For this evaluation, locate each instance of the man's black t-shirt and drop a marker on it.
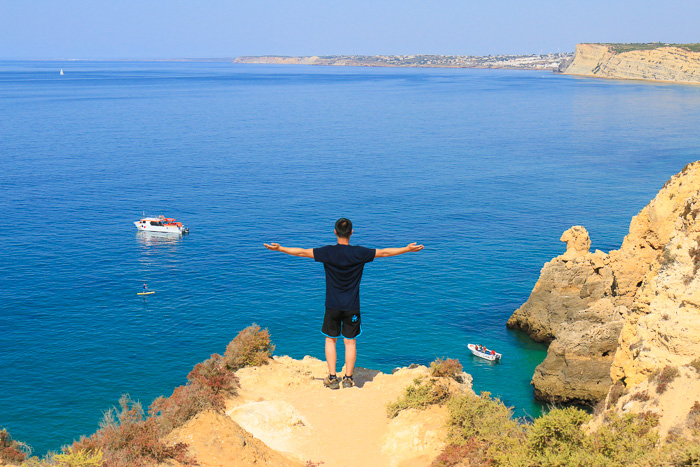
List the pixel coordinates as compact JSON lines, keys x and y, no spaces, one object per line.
{"x":344,"y":265}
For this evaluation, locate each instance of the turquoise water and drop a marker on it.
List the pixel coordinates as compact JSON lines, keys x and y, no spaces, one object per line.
{"x":486,"y":168}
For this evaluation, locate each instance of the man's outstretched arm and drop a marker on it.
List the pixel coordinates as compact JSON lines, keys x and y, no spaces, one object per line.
{"x":410,"y":248}
{"x":303,"y":252}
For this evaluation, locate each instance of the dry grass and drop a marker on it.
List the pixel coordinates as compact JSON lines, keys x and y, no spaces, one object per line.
{"x":695,"y":364}
{"x":693,"y":419}
{"x":641,"y":396}
{"x":446,"y":368}
{"x":616,"y":391}
{"x":12,"y":451}
{"x":665,"y":377}
{"x":251,"y":347}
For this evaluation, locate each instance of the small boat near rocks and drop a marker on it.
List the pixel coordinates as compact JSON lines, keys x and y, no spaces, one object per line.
{"x":483,"y":352}
{"x":161,"y":224}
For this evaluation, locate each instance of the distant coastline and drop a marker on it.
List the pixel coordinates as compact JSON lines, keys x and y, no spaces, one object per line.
{"x":551,"y":61}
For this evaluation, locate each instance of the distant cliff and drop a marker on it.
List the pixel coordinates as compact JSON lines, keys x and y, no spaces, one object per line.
{"x":657,"y":62}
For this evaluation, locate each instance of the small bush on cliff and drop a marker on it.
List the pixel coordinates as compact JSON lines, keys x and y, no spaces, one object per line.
{"x":641,"y":396}
{"x":251,"y":347}
{"x":421,"y":394}
{"x":667,"y":258}
{"x":624,"y":439}
{"x":693,"y":420}
{"x":616,"y":391}
{"x":12,"y":451}
{"x":559,"y":429}
{"x":482,"y":431}
{"x":127,"y":438}
{"x":446,"y":368}
{"x":209,"y":383}
{"x":695,"y":364}
{"x":665,"y":377}
{"x":78,"y":458}
{"x":455,"y":455}
{"x":484,"y":424}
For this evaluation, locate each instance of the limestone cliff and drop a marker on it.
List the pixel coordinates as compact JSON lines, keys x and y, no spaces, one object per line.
{"x":663,"y":326}
{"x":643,"y":295}
{"x":663,"y":63}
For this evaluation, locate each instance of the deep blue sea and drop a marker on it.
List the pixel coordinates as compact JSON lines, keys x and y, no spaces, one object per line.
{"x":486,"y":168}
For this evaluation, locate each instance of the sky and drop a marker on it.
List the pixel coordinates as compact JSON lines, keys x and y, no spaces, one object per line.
{"x":142,"y":29}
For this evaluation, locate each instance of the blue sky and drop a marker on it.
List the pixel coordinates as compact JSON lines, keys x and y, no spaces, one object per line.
{"x":43,"y":29}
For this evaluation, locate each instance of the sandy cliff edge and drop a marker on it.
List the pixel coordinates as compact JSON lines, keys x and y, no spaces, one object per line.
{"x":284,"y":416}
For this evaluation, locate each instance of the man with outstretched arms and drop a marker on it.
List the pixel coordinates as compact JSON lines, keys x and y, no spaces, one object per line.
{"x":344,"y":264}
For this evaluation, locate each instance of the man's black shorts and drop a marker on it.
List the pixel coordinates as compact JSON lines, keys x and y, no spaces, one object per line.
{"x":347,"y":323}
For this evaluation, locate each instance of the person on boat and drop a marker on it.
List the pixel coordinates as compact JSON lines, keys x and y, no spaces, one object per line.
{"x":344,"y":264}
{"x":493,"y":352}
{"x":145,"y":288}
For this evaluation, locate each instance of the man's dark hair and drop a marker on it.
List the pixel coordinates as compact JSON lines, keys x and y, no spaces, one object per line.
{"x":343,"y":227}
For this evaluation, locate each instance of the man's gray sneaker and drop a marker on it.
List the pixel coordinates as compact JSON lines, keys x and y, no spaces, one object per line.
{"x":331,"y":382}
{"x":348,"y":382}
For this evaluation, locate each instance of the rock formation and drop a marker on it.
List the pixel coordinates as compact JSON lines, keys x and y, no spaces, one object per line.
{"x":665,"y":63}
{"x":643,"y":295}
{"x":572,"y":307}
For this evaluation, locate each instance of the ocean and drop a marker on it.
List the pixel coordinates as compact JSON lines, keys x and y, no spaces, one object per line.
{"x":486,"y":168}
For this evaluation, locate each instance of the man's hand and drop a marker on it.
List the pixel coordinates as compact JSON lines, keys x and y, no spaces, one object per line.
{"x":386,"y":252}
{"x":272,"y":246}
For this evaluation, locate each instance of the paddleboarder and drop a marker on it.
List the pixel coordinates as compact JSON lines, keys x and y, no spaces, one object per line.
{"x":343,"y":264}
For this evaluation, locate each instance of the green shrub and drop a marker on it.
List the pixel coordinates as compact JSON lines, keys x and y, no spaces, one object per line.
{"x":446,"y":368}
{"x":680,"y":453}
{"x":484,"y":424}
{"x":419,"y":395}
{"x":482,"y":432}
{"x":11,"y":450}
{"x":78,"y":458}
{"x":251,"y":347}
{"x":558,"y":433}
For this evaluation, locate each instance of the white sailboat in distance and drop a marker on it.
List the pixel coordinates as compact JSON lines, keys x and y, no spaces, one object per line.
{"x":61,"y":72}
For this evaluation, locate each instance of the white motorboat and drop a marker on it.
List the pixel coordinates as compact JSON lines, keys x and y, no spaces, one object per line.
{"x":161,"y":224}
{"x":483,"y":352}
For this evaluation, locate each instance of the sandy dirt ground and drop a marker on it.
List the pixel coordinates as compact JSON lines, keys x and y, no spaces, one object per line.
{"x":286,"y":406}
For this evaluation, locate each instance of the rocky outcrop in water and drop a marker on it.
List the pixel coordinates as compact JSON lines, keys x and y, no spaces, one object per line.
{"x":624,"y":61}
{"x":572,"y":306}
{"x":643,"y":295}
